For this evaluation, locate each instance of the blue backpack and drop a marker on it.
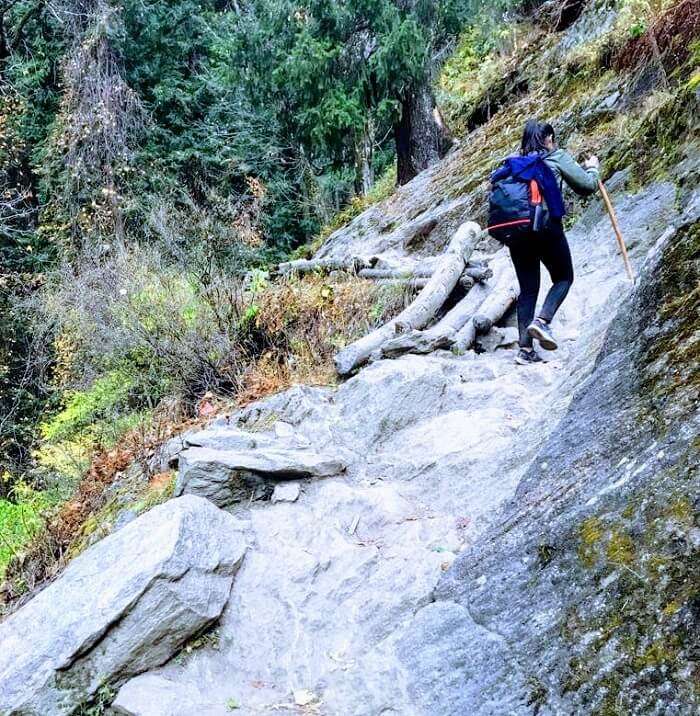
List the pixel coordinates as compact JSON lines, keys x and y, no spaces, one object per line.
{"x":517,"y":205}
{"x":515,"y":209}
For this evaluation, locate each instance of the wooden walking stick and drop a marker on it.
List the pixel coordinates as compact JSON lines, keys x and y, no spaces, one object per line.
{"x":616,"y":229}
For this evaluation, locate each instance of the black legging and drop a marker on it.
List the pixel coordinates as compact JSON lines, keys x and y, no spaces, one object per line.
{"x":552,"y":249}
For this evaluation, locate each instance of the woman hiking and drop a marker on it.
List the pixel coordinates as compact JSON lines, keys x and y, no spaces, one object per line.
{"x":544,"y":241}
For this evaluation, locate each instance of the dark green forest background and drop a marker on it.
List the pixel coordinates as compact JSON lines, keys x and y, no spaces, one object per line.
{"x":224,"y":133}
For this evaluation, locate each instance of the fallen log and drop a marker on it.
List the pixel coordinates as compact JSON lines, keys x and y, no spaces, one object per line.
{"x":409,"y":283}
{"x":353,"y":265}
{"x":479,"y":273}
{"x":383,"y":273}
{"x":442,"y":334}
{"x":426,"y":305}
{"x":490,"y":312}
{"x":465,"y":282}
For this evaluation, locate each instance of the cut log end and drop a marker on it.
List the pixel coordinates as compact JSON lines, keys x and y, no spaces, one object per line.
{"x":466,"y":282}
{"x":479,"y":274}
{"x":482,"y":324}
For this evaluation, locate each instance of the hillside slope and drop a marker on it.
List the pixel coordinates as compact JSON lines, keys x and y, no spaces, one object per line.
{"x":494,"y":539}
{"x":343,"y":579}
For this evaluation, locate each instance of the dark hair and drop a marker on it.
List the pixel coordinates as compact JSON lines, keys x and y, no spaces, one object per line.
{"x":534,"y":135}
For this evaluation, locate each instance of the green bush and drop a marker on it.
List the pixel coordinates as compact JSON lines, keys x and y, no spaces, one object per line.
{"x":20,"y":520}
{"x":135,"y":328}
{"x":84,"y":408}
{"x":91,"y":419}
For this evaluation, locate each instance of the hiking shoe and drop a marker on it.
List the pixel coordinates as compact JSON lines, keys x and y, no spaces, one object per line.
{"x":525,"y":357}
{"x":540,"y":330}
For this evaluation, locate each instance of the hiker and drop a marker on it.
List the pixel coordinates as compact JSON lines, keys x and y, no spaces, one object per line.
{"x":538,"y":235}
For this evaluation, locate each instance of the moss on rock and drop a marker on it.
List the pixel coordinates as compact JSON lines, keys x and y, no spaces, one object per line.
{"x":647,"y":631}
{"x":635,"y":636}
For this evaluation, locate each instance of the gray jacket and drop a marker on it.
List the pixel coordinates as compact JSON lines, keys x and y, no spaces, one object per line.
{"x":567,"y":169}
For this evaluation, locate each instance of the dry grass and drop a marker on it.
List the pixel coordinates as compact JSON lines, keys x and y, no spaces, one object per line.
{"x":301,"y":323}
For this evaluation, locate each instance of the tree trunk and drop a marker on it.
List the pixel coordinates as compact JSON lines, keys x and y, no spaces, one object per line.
{"x":364,"y":153}
{"x":4,"y":45}
{"x":421,"y":136}
{"x":426,"y":305}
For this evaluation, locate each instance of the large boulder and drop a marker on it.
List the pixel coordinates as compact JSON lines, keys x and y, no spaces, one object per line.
{"x":227,"y":476}
{"x":125,"y":605}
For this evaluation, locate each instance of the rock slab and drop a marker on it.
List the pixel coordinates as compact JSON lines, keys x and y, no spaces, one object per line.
{"x":125,"y":605}
{"x":576,"y":573}
{"x":286,"y":492}
{"x":228,"y":476}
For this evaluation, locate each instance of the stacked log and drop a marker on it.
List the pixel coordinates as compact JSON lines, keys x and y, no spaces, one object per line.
{"x":476,"y":272}
{"x":442,"y":334}
{"x":494,"y":306}
{"x":491,"y":291}
{"x":488,"y":291}
{"x":302,"y":266}
{"x":426,"y":305}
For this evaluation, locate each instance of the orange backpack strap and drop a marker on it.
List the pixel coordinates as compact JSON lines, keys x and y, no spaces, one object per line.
{"x":535,"y":195}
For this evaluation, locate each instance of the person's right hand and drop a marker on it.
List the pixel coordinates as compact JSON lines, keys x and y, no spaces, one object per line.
{"x":592,"y":162}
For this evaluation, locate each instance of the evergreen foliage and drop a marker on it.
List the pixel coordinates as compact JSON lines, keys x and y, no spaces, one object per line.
{"x":195,"y":139}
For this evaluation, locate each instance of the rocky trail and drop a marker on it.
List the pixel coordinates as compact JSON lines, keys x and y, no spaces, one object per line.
{"x":444,"y":532}
{"x":321,"y":615}
{"x":367,"y":549}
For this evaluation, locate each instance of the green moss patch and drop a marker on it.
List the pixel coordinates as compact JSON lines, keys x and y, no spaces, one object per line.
{"x":645,"y":629}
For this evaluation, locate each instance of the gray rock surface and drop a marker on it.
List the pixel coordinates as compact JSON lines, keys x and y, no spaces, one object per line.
{"x":286,"y":492}
{"x":342,"y":581}
{"x":124,"y":606}
{"x":219,"y":437}
{"x":151,"y":694}
{"x":446,"y":651}
{"x":228,"y":476}
{"x":585,"y":574}
{"x":416,"y":222}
